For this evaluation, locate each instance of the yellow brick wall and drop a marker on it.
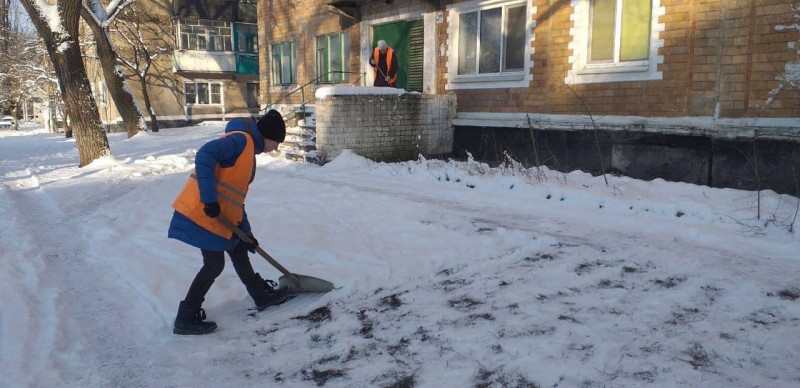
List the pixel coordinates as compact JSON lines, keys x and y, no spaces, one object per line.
{"x":715,"y":51}
{"x":720,"y":56}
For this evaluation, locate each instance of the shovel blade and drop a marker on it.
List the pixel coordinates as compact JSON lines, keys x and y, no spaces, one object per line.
{"x":304,"y":283}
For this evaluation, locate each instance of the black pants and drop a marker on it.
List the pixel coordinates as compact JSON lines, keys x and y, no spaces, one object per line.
{"x":213,"y":263}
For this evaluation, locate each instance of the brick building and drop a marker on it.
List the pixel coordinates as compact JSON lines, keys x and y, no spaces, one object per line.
{"x":676,"y":89}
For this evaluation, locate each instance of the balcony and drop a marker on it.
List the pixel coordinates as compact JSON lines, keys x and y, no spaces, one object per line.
{"x":192,"y":61}
{"x":205,"y":61}
{"x":247,"y":64}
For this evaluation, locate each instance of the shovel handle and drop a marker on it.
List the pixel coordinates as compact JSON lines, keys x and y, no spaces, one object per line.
{"x":379,"y":69}
{"x":242,"y":236}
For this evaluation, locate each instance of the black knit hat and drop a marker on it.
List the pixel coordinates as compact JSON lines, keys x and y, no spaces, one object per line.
{"x":272,"y":127}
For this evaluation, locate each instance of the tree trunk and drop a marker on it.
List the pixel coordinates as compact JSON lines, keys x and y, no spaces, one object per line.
{"x":15,"y":114}
{"x":81,"y":108}
{"x":153,"y":119}
{"x":65,"y":54}
{"x":128,"y":109}
{"x":5,"y":31}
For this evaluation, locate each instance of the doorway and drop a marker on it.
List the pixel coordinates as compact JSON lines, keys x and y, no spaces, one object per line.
{"x":406,"y":38}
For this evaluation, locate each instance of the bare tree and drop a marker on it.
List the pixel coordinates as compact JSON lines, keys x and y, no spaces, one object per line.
{"x":22,"y":73}
{"x":99,"y":18}
{"x":57,"y":25}
{"x":5,"y":24}
{"x":596,"y":130}
{"x":41,"y":81}
{"x":145,"y":35}
{"x":26,"y":74}
{"x":789,"y":78}
{"x":8,"y":100}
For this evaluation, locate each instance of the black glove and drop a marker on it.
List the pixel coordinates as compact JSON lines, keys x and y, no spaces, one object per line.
{"x":211,"y":209}
{"x":252,"y":245}
{"x":372,"y":61}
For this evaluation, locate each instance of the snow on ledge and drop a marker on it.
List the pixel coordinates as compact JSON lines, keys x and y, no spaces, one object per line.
{"x":327,"y":91}
{"x":519,"y":120}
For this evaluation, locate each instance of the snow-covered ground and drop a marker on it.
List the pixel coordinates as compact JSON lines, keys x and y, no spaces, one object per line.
{"x":449,"y":274}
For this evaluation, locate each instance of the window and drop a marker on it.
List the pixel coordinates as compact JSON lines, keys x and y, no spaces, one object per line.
{"x":252,"y":95}
{"x":247,"y":38}
{"x":101,"y":88}
{"x":626,"y":41}
{"x":491,"y":40}
{"x":332,"y":57}
{"x":203,"y":93}
{"x":283,"y":64}
{"x":492,"y":44}
{"x":615,"y":40}
{"x":99,"y":92}
{"x":205,"y":35}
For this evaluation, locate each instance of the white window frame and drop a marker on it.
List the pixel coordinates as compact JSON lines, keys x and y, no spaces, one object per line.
{"x":583,"y":72}
{"x":206,"y":35}
{"x":507,"y":79}
{"x":196,"y":94}
{"x":101,"y":93}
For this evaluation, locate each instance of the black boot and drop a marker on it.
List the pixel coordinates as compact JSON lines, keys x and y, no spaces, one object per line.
{"x":190,"y":320}
{"x":264,"y":295}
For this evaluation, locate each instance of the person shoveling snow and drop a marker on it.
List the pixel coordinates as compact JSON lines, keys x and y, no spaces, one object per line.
{"x":224,"y":169}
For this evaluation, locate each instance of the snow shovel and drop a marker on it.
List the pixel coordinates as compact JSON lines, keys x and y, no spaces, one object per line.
{"x":295,"y":282}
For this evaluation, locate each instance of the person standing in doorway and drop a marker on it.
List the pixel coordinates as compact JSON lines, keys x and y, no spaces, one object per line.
{"x":384,"y":62}
{"x":224,"y":169}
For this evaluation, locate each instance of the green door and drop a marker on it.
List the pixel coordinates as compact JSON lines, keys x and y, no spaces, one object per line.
{"x":415,"y":56}
{"x":405,"y":39}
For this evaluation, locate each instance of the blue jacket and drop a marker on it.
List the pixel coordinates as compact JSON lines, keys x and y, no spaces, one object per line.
{"x":223,"y":152}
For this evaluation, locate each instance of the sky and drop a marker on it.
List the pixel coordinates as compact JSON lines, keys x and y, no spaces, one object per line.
{"x":447,"y":274}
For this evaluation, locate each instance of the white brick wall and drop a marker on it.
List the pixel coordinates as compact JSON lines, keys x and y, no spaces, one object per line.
{"x":385,"y":127}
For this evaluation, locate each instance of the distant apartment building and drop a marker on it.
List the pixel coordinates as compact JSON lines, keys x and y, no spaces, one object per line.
{"x":207,"y":63}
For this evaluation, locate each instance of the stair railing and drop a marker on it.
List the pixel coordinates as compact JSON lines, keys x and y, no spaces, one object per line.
{"x":302,"y":88}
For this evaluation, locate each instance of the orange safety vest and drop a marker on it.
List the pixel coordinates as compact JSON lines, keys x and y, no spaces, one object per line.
{"x":232,"y":185}
{"x":376,"y":54}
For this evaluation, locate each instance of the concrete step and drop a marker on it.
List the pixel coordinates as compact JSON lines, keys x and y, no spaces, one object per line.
{"x":304,"y":147}
{"x":305,"y":157}
{"x":297,"y":139}
{"x":300,"y":131}
{"x":309,"y":122}
{"x":301,"y":138}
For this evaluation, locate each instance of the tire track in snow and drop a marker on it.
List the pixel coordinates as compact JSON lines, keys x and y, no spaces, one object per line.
{"x":89,"y":327}
{"x":23,"y":323}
